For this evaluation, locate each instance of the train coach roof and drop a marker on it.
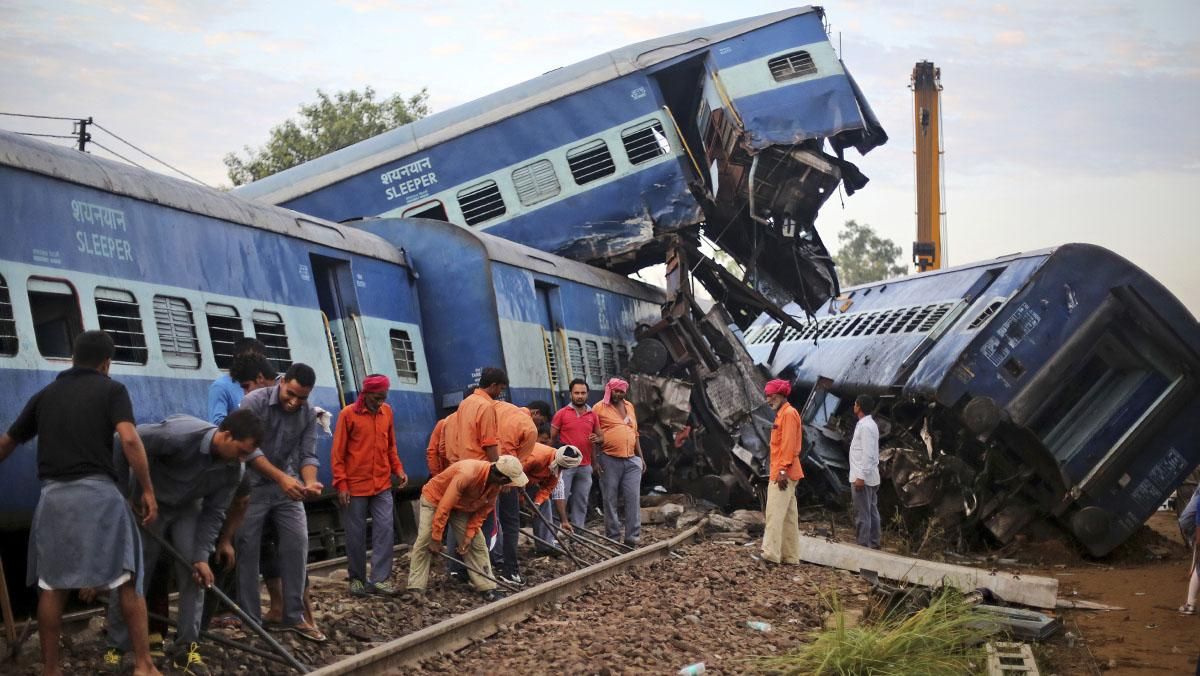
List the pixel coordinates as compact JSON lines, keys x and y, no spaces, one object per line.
{"x":70,"y":165}
{"x":459,"y":120}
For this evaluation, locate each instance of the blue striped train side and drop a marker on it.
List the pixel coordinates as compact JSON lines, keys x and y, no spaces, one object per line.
{"x":491,"y":302}
{"x":1062,"y":382}
{"x":176,"y":273}
{"x":623,"y":147}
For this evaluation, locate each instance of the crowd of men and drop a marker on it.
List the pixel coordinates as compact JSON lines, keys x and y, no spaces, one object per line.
{"x":197,"y":508}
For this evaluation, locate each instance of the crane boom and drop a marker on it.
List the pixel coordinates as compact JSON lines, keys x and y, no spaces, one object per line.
{"x":929,"y":251}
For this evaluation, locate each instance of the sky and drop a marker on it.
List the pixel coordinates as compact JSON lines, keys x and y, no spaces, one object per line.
{"x":1070,"y":121}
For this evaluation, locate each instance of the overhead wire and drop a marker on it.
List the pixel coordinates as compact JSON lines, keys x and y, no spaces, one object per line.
{"x":122,"y":140}
{"x":41,"y":117}
{"x":119,"y":155}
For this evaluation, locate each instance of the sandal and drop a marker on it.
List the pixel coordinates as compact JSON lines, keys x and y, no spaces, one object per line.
{"x":1187,"y":609}
{"x":308,"y":631}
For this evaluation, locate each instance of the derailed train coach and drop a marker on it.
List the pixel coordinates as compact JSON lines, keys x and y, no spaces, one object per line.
{"x":742,"y":126}
{"x":1058,"y":385}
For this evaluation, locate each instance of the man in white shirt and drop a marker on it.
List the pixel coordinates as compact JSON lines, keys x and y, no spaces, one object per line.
{"x":864,"y":473}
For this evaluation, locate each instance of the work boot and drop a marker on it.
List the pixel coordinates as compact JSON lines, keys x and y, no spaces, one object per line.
{"x":384,"y":588}
{"x":357,"y":588}
{"x":492,"y":595}
{"x":110,"y":662}
{"x":190,"y":662}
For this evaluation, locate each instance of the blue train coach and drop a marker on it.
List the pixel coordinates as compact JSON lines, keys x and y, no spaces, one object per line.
{"x":742,"y":126}
{"x":1058,"y":384}
{"x":176,"y":273}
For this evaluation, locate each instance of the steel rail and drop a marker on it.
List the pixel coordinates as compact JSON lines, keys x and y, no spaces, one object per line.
{"x":457,"y":632}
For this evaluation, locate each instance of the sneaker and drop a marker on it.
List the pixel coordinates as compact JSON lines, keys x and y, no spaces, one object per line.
{"x":458,"y":576}
{"x":357,"y":588}
{"x":190,"y":661}
{"x":156,"y":645}
{"x":492,"y":595}
{"x":111,"y":661}
{"x":512,"y":578}
{"x":384,"y":588}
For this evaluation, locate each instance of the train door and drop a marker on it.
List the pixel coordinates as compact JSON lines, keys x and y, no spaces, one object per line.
{"x":343,"y":324}
{"x":547,"y":302}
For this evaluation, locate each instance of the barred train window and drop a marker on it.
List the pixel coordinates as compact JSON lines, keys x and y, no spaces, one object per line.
{"x":610,"y":360}
{"x":645,"y":142}
{"x":590,"y":161}
{"x":177,"y":332}
{"x":54,"y":308}
{"x":8,"y":325}
{"x":481,"y":202}
{"x":595,"y":379}
{"x":791,"y":66}
{"x":535,"y":182}
{"x":403,"y":355}
{"x":575,"y":354}
{"x":224,"y":329}
{"x":270,"y":330}
{"x":118,"y":313}
{"x":622,"y":358}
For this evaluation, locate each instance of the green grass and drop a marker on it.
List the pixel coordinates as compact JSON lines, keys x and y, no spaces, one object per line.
{"x":935,"y":641}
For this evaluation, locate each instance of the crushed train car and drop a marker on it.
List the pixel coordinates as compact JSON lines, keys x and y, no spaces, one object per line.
{"x":1055,"y":385}
{"x":740,"y":126}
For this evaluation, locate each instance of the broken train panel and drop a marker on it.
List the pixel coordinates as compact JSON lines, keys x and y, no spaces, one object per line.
{"x":741,"y":125}
{"x":1055,"y":385}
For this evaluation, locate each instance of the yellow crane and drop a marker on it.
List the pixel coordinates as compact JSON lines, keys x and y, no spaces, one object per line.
{"x":929,"y":249}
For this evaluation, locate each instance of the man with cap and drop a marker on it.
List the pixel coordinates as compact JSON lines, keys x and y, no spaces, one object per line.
{"x":620,"y":463}
{"x":461,"y":496}
{"x":74,"y":418}
{"x":781,"y":537}
{"x":364,"y":459}
{"x":544,"y":466}
{"x":864,"y":473}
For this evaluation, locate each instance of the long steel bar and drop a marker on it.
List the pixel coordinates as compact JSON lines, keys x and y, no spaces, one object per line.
{"x":473,"y":569}
{"x":550,"y":525}
{"x":593,"y":533}
{"x":230,"y":643}
{"x":460,"y":631}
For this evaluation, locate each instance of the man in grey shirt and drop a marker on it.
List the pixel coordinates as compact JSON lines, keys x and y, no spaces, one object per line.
{"x":864,"y":473}
{"x":195,"y":468}
{"x":290,"y":443}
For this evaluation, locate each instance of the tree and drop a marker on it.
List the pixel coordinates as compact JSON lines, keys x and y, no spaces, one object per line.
{"x":866,"y":257}
{"x":329,"y":124}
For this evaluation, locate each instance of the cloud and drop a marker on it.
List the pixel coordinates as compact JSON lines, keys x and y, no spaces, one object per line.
{"x":1011,"y":38}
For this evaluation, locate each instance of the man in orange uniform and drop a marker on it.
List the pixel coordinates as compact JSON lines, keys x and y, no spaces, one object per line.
{"x":435,"y":452}
{"x":543,"y":467}
{"x":472,"y":434}
{"x":621,"y":464}
{"x":461,"y":496}
{"x":517,"y":433}
{"x":781,"y":539}
{"x":364,"y":460}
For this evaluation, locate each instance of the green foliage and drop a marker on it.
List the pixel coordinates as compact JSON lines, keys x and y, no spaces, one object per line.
{"x":865,"y":257}
{"x":940,"y":640}
{"x":329,"y":124}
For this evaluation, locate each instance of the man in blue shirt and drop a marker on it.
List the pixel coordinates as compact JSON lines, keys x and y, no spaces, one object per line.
{"x":250,"y":370}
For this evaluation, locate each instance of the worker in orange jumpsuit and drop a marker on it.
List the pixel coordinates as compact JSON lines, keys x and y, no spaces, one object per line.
{"x":543,"y":467}
{"x":781,"y":538}
{"x":461,"y":497}
{"x":364,"y":460}
{"x":473,"y":434}
{"x":517,"y":433}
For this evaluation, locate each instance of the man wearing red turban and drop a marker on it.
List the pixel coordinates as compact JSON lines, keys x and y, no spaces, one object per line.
{"x":781,"y":537}
{"x":364,"y":459}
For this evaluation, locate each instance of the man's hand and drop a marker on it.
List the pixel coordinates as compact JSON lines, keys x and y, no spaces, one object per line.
{"x":435,"y":546}
{"x":401,"y":480}
{"x":859,"y":484}
{"x":202,"y":574}
{"x":313,"y":490}
{"x":595,"y":438}
{"x":782,"y":482}
{"x":344,"y":498}
{"x":566,"y":527}
{"x":149,"y":507}
{"x":226,"y":555}
{"x":291,"y":487}
{"x":463,"y":547}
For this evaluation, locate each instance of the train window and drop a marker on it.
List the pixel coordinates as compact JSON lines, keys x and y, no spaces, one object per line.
{"x":271,"y":331}
{"x":481,"y":202}
{"x":56,"y":319}
{"x":595,"y":378}
{"x":791,"y":66}
{"x":119,"y":315}
{"x":535,"y":182}
{"x":986,"y":314}
{"x":403,"y":355}
{"x":177,"y":332}
{"x":610,"y":360}
{"x":645,"y":142}
{"x":575,"y":354}
{"x":8,"y":325}
{"x":224,"y":329}
{"x":590,"y":161}
{"x":433,"y":210}
{"x":622,"y":358}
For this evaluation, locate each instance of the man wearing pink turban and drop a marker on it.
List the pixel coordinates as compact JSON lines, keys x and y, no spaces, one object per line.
{"x":781,"y":537}
{"x":364,"y":460}
{"x":621,"y":464}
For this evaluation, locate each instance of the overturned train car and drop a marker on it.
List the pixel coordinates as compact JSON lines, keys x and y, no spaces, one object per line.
{"x":1057,"y":385}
